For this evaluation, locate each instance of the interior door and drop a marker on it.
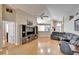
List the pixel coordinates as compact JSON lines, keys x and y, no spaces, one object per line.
{"x":11,"y":32}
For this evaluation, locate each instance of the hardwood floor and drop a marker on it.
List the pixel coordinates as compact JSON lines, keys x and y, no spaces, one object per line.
{"x":48,"y":46}
{"x":25,"y":49}
{"x":40,"y":46}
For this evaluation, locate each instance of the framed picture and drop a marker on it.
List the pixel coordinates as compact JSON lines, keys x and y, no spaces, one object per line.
{"x":76,"y":25}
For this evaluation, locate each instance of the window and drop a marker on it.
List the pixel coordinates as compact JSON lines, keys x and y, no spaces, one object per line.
{"x":43,"y":24}
{"x":43,"y":27}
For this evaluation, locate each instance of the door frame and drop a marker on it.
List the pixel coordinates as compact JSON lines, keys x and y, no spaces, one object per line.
{"x":4,"y":32}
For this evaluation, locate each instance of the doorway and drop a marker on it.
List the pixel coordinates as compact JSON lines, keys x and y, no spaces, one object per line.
{"x":58,"y":26}
{"x":9,"y":39}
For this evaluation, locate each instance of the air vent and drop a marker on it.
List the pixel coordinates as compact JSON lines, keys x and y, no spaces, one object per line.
{"x":9,"y":10}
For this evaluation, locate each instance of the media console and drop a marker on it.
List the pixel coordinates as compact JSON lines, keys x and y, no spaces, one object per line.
{"x":28,"y":33}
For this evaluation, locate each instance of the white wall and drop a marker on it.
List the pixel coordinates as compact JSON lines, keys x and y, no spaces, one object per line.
{"x":6,"y":15}
{"x":69,"y":25}
{"x":21,"y":18}
{"x":1,"y":41}
{"x":18,"y":17}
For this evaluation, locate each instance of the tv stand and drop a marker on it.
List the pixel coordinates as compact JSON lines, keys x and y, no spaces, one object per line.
{"x":28,"y":33}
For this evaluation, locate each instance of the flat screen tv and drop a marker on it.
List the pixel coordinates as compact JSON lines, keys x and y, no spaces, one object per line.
{"x":76,"y":25}
{"x":30,"y":33}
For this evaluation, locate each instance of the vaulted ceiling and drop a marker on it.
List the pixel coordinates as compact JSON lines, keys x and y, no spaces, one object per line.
{"x":32,"y":9}
{"x":56,"y":11}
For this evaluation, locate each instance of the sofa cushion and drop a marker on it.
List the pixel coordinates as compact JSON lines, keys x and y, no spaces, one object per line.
{"x":77,"y":43}
{"x":75,"y":36}
{"x":72,"y":41}
{"x":69,"y":36}
{"x":65,"y":48}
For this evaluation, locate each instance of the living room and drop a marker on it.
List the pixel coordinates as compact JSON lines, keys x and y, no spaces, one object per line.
{"x":41,"y":27}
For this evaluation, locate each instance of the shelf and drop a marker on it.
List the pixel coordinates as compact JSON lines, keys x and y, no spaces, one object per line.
{"x":29,"y":33}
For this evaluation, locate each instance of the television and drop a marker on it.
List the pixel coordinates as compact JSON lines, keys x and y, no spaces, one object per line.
{"x":30,"y":33}
{"x":30,"y":30}
{"x":76,"y":25}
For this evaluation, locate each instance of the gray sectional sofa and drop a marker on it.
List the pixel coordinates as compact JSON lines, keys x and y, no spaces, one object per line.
{"x":67,"y":37}
{"x":66,"y":49}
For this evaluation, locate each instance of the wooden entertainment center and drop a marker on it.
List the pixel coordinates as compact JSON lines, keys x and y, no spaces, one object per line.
{"x":28,"y":33}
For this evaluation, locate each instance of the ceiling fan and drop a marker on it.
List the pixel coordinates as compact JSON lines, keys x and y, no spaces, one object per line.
{"x":43,"y":15}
